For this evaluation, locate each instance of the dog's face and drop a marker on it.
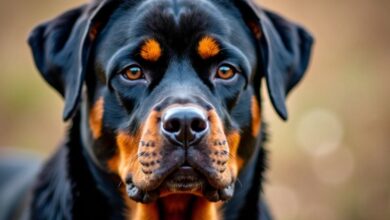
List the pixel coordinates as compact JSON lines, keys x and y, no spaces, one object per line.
{"x":168,"y":85}
{"x":171,"y":104}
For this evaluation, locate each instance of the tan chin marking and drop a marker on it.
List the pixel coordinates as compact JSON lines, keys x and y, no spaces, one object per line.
{"x":176,"y":207}
{"x":141,"y":211}
{"x":204,"y":209}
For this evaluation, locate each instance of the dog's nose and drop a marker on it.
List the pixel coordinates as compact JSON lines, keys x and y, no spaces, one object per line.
{"x":184,"y":125}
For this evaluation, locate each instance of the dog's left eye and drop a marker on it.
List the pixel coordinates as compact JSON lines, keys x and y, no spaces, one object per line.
{"x":133,"y":72}
{"x":225,"y":72}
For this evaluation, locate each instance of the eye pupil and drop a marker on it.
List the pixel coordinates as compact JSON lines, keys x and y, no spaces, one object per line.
{"x":225,"y":72}
{"x":225,"y":69}
{"x":135,"y":70}
{"x":133,"y":73}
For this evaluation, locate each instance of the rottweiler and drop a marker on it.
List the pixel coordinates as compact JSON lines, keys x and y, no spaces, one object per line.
{"x":164,"y":107}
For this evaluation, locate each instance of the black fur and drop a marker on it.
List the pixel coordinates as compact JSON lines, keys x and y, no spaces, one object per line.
{"x":89,"y":45}
{"x":70,"y":187}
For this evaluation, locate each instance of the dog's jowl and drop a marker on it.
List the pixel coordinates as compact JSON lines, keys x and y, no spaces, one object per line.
{"x":164,"y":104}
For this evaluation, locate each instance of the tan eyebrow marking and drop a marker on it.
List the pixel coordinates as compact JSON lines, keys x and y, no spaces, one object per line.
{"x":151,"y":50}
{"x":208,"y":47}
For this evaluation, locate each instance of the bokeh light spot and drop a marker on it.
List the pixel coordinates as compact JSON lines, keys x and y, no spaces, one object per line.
{"x":318,"y":212}
{"x":335,"y":168}
{"x":319,"y":132}
{"x":283,"y":201}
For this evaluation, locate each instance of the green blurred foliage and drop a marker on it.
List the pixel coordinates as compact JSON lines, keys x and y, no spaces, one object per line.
{"x":328,"y":162}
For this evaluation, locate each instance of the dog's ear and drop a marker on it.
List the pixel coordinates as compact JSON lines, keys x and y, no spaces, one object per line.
{"x":60,"y":48}
{"x":285,"y":50}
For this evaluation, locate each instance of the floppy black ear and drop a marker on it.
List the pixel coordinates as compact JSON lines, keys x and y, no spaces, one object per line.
{"x":60,"y":48}
{"x":285,"y":48}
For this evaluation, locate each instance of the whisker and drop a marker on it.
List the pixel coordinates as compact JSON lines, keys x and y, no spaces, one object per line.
{"x":238,"y":181}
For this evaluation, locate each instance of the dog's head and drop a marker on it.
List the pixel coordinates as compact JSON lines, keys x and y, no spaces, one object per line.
{"x":172,"y":103}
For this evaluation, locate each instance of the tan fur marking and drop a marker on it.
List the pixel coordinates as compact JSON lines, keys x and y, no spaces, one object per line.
{"x":145,"y":212}
{"x":113,"y":164}
{"x":224,"y":149}
{"x":208,"y":47}
{"x":127,"y":161}
{"x":234,"y":141}
{"x":131,"y":205}
{"x":255,"y":28}
{"x":203,"y":209}
{"x":216,"y":127}
{"x":96,"y":117}
{"x":94,"y":30}
{"x":240,"y":162}
{"x":175,"y":207}
{"x":151,"y":50}
{"x":256,"y":117}
{"x":151,"y":143}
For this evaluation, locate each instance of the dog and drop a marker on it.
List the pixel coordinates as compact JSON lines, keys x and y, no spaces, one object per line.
{"x":164,"y":107}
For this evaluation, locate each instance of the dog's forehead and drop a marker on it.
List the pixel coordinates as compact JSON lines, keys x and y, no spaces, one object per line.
{"x":185,"y":15}
{"x":177,"y":23}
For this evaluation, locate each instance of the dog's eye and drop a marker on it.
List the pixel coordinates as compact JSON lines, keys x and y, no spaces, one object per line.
{"x":133,"y":73}
{"x":225,"y":72}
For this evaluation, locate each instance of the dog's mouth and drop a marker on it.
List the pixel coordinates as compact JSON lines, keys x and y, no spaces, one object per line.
{"x":184,"y":180}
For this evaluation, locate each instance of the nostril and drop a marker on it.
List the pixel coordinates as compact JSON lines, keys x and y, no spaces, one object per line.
{"x":184,"y":125}
{"x":172,"y":125}
{"x":198,"y":125}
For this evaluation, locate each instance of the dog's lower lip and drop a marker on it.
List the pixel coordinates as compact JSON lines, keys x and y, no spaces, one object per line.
{"x":184,"y":174}
{"x":185,"y":179}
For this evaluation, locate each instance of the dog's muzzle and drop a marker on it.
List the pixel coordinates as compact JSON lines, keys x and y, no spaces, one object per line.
{"x":183,"y":150}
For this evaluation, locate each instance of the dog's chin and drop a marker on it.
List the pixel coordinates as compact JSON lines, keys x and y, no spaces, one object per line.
{"x":185,"y":180}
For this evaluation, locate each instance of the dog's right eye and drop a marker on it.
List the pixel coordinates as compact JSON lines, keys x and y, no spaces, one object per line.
{"x":133,"y":72}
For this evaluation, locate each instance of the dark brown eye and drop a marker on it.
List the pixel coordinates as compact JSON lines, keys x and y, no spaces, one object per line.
{"x":225,"y":72}
{"x":133,"y":73}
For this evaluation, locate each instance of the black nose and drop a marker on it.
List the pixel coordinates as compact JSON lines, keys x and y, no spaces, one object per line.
{"x":184,"y":125}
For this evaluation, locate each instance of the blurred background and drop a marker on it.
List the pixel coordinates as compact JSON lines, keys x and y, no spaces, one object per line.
{"x":327,"y":163}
